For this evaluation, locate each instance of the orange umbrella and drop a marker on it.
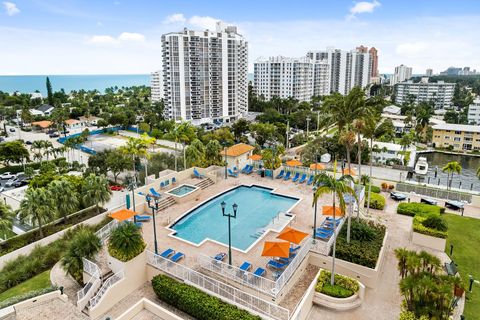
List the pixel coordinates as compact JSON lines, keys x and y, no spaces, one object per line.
{"x":122,"y":214}
{"x":276,"y":249}
{"x":317,"y":166}
{"x":292,"y":235}
{"x":328,"y":211}
{"x":351,"y":172}
{"x":293,"y":163}
{"x":255,"y":157}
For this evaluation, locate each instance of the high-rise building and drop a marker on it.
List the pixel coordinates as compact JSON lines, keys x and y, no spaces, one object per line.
{"x":374,"y":62}
{"x":429,"y":72}
{"x":205,"y":75}
{"x":401,"y":74}
{"x":156,"y":86}
{"x":299,"y":78}
{"x":347,"y":68}
{"x":440,"y":93}
{"x":474,"y":112}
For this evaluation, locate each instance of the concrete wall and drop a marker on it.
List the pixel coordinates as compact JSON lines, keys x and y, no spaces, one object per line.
{"x":145,"y":304}
{"x":428,"y":241}
{"x":134,"y":277}
{"x":10,"y":311}
{"x":305,"y":305}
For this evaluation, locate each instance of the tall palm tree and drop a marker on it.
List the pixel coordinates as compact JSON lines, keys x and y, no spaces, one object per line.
{"x":451,"y":168}
{"x":177,"y":134}
{"x":96,"y":190}
{"x":338,"y":188}
{"x":6,"y":216}
{"x":65,"y":197}
{"x":37,"y":147}
{"x":137,"y":147}
{"x":37,"y":207}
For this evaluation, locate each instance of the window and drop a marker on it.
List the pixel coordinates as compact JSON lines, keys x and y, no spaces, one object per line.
{"x":457,"y":139}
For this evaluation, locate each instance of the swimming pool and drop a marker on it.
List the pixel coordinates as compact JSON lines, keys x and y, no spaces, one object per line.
{"x":257,"y":206}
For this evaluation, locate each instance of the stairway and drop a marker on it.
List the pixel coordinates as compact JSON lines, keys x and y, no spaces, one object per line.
{"x":165,"y":203}
{"x":205,"y":183}
{"x":103,"y":279}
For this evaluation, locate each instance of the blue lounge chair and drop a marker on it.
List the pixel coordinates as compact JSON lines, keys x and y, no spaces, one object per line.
{"x":162,"y":185}
{"x":293,"y":250}
{"x":280,"y":175}
{"x":323,"y":236}
{"x":141,"y":193}
{"x":287,"y":176}
{"x":244,"y":168}
{"x":197,"y":174}
{"x":154,"y":193}
{"x":310,"y":180}
{"x":303,"y":178}
{"x":259,"y":272}
{"x":142,"y":218}
{"x":232,"y":174}
{"x":245,"y":266}
{"x":331,"y":219}
{"x":295,"y":178}
{"x":220,"y":256}
{"x":249,"y":170}
{"x":174,"y":180}
{"x":138,"y":224}
{"x":276,"y":264}
{"x":167,"y":253}
{"x":177,"y":257}
{"x":235,"y":169}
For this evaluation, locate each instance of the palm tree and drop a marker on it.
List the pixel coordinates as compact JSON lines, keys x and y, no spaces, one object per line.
{"x":401,"y":254}
{"x":195,"y":153}
{"x":451,"y":168}
{"x":137,"y":147}
{"x":338,"y":188}
{"x":96,"y":190}
{"x":126,"y":242}
{"x":37,"y":147}
{"x":65,"y":197}
{"x":37,"y":207}
{"x":6,"y":215}
{"x":177,"y":134}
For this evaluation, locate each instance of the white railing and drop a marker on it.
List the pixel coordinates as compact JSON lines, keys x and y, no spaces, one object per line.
{"x":105,"y":231}
{"x":85,"y":294}
{"x":323,"y":247}
{"x":234,"y":273}
{"x":91,"y":268}
{"x":292,"y":266}
{"x":106,"y":285}
{"x":218,"y":288}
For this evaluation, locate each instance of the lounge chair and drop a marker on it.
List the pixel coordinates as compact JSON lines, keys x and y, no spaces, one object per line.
{"x":280,"y":175}
{"x":245,"y":168}
{"x":177,"y":257}
{"x":249,"y":170}
{"x":235,"y":169}
{"x":259,"y":272}
{"x":294,"y":250}
{"x":167,"y":253}
{"x":232,"y":174}
{"x":310,"y":180}
{"x":142,"y":218}
{"x":198,"y":174}
{"x":331,"y":219}
{"x":323,"y":236}
{"x":220,"y":256}
{"x":138,"y":224}
{"x":287,"y":176}
{"x":154,"y":193}
{"x":174,"y":180}
{"x":276,"y":264}
{"x":295,"y":178}
{"x":303,"y":178}
{"x":162,"y":185}
{"x":245,"y":266}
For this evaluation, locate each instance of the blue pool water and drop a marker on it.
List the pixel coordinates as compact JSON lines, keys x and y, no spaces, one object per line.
{"x":256,"y":208}
{"x":182,"y":190}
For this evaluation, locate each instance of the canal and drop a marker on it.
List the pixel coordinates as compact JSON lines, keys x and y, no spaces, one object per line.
{"x":436,"y":161}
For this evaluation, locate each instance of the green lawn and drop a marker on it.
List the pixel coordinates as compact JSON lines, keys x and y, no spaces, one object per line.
{"x":38,"y":282}
{"x":464,"y":234}
{"x":7,"y":234}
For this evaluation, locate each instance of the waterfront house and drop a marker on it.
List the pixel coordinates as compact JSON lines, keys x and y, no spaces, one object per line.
{"x":456,"y":136}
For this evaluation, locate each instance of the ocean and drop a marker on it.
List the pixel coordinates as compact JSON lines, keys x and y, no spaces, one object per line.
{"x":28,"y":84}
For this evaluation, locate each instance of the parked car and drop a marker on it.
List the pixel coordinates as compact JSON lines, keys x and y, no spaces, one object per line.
{"x":20,"y":183}
{"x":398,"y":196}
{"x":12,"y":130}
{"x":28,"y":142}
{"x":51,"y":131}
{"x":7,"y":176}
{"x":54,"y":135}
{"x":11,"y":182}
{"x":116,"y":188}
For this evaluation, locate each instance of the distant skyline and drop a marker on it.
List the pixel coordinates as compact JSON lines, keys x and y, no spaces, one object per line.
{"x":120,"y":37}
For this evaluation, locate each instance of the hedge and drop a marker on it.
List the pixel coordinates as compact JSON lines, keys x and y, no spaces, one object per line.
{"x":26,"y":296}
{"x":344,"y":286}
{"x":27,"y":238}
{"x":420,"y":228}
{"x":377,"y":201}
{"x":365,"y":243}
{"x":414,"y":208}
{"x":375,"y":189}
{"x":20,"y":168}
{"x":195,"y":302}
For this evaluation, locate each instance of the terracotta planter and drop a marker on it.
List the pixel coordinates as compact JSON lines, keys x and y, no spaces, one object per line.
{"x":458,"y":292}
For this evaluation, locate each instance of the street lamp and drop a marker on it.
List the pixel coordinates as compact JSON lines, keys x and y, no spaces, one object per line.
{"x":308,"y":122}
{"x":225,"y":151}
{"x":154,"y":206}
{"x":229,"y":215}
{"x":314,"y":215}
{"x":132,"y":184}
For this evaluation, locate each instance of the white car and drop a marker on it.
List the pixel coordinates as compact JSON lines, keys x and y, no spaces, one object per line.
{"x":7,"y":175}
{"x":11,"y":182}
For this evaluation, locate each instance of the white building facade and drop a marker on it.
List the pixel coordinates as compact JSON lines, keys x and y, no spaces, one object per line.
{"x":440,"y":93}
{"x":204,"y":75}
{"x":401,"y":74}
{"x":290,"y":77}
{"x":347,"y":68}
{"x":156,"y":85}
{"x":474,"y":112}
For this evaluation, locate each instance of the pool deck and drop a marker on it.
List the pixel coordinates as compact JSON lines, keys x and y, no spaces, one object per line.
{"x":303,"y":220}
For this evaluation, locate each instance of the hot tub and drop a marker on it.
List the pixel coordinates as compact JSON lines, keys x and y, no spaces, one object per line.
{"x":183,"y":192}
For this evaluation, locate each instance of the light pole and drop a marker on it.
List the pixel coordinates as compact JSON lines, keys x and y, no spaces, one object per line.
{"x":225,"y":151}
{"x":308,"y":122}
{"x":154,"y":207}
{"x":229,"y":215}
{"x":314,"y":215}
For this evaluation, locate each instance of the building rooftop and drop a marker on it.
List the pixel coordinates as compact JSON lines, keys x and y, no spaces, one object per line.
{"x":44,"y":107}
{"x":457,"y":127}
{"x":42,"y":124}
{"x":71,"y":121}
{"x":237,"y":150}
{"x":392,"y":109}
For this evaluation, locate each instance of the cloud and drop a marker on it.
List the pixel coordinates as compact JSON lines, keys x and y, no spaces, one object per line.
{"x":131,"y":37}
{"x":102,"y":39}
{"x":363,"y":7}
{"x":411,"y":49}
{"x":203,"y":22}
{"x":175,"y":18}
{"x":11,"y":8}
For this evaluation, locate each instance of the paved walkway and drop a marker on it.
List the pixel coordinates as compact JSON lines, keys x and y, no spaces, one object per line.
{"x":60,"y":278}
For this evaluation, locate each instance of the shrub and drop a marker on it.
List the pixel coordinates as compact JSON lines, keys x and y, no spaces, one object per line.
{"x":344,"y":286}
{"x":377,"y":201}
{"x":435,"y":222}
{"x":375,"y":189}
{"x":195,"y":302}
{"x":126,"y":242}
{"x":419,"y":227}
{"x":364,"y":247}
{"x":384,"y":185}
{"x":413,"y":208}
{"x":408,"y":315}
{"x":26,"y":296}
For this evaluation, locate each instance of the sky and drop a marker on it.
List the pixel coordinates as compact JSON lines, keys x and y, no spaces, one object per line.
{"x":124,"y":37}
